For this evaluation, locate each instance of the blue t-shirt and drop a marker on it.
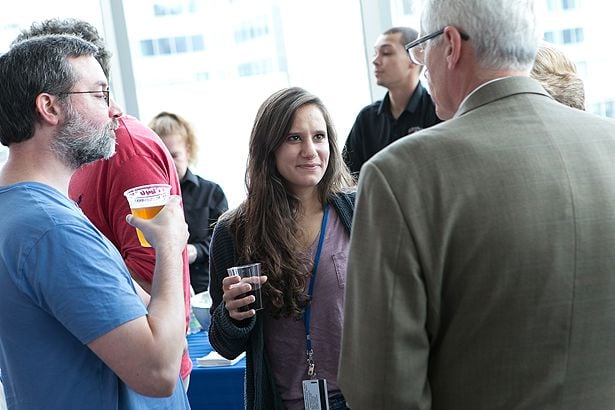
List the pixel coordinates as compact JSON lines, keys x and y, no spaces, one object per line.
{"x":62,"y":285}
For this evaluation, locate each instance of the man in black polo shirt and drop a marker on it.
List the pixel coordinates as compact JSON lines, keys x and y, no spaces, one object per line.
{"x":406,"y":107}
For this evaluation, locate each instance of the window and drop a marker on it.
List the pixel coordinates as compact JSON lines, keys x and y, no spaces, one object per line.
{"x":243,"y":48}
{"x":198,"y":43}
{"x":572,"y":35}
{"x":201,"y":76}
{"x":251,"y":30}
{"x":147,"y":47}
{"x":173,"y":7}
{"x":549,"y":36}
{"x":408,"y":7}
{"x":168,"y":46}
{"x":164,"y":46}
{"x":181,"y":44}
{"x":255,"y":68}
{"x":236,"y":57}
{"x":160,"y":10}
{"x":605,"y":108}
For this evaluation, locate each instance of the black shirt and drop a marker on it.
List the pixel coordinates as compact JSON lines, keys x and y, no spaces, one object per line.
{"x":375,"y":127}
{"x":204,"y":202}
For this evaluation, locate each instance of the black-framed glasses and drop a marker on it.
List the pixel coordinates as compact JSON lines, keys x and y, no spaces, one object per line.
{"x":105,"y":94}
{"x":416,"y":48}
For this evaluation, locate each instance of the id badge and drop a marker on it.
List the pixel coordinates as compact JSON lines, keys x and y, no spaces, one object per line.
{"x":315,"y":396}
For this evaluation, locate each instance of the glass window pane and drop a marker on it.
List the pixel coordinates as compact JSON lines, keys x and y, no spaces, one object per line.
{"x":198,"y":43}
{"x":164,"y":46}
{"x":572,"y":35}
{"x":181,"y":45}
{"x":147,"y":47}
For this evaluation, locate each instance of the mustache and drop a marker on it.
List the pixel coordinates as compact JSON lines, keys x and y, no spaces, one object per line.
{"x":114,"y":124}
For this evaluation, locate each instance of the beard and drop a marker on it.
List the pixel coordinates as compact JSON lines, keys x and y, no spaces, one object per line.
{"x":80,"y":142}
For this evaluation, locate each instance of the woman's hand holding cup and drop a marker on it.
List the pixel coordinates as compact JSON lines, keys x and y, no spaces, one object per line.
{"x":236,"y":296}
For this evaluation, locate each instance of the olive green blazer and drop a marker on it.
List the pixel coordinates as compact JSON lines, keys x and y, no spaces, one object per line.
{"x":481,"y":271}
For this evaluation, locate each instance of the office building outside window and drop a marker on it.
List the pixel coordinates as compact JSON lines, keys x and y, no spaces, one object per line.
{"x":215,"y":61}
{"x":248,"y":50}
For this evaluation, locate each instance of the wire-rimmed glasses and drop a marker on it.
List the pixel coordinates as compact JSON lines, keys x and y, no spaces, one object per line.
{"x":105,"y":94}
{"x":416,"y":48}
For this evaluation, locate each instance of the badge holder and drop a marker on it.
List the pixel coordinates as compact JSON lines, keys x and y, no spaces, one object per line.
{"x":315,"y":394}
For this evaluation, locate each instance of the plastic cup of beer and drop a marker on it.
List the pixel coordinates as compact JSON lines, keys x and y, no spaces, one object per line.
{"x":146,"y":201}
{"x":250,"y":274}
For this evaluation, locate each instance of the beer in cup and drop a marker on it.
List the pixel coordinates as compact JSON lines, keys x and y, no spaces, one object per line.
{"x":146,"y":201}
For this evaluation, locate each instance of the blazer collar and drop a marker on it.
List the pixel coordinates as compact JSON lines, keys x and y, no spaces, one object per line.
{"x":499,"y":89}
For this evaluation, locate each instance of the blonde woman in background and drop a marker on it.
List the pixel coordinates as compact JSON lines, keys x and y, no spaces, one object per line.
{"x":558,"y":75}
{"x":204,"y":201}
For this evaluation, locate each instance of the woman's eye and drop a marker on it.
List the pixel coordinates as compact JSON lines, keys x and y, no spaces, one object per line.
{"x":320,"y":137}
{"x":294,"y":138}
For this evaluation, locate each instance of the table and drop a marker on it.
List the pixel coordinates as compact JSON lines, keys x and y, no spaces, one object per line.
{"x":214,"y":388}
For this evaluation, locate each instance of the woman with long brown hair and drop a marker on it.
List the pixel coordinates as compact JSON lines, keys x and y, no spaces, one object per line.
{"x":296,"y":222}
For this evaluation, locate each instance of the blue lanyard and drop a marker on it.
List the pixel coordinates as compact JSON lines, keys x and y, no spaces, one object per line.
{"x":308,"y":309}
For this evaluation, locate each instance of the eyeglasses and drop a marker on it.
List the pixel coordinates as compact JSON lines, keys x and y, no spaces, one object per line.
{"x":416,"y":48}
{"x":105,"y":94}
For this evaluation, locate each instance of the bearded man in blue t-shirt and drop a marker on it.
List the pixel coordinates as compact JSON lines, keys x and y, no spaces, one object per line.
{"x":76,"y":332}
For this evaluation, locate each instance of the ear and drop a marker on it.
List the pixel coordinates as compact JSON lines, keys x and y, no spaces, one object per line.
{"x":454,"y":44}
{"x":47,"y":107}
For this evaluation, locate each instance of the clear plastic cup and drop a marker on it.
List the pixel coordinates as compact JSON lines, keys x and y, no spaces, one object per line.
{"x":146,"y":201}
{"x":250,"y":274}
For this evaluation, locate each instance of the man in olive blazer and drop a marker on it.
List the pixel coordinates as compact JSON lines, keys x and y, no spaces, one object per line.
{"x":481,"y":270}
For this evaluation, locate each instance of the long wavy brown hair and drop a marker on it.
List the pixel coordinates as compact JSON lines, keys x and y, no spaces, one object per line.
{"x":265,"y":225}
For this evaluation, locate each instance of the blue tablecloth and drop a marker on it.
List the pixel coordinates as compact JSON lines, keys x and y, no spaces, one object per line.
{"x":214,"y":388}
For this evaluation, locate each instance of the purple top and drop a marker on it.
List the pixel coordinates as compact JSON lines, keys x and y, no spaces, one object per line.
{"x":285,"y":338}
